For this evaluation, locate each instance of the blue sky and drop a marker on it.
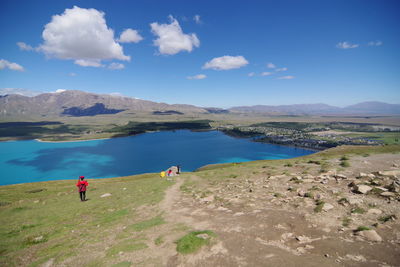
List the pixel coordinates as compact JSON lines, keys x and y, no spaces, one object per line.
{"x":206,"y":53}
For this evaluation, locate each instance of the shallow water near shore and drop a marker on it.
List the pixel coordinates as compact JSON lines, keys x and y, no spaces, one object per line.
{"x":33,"y":161}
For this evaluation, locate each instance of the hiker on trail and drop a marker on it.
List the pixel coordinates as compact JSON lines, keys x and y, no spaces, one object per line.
{"x":82,"y":184}
{"x":179,"y":169}
{"x":169,"y":172}
{"x":162,"y":174}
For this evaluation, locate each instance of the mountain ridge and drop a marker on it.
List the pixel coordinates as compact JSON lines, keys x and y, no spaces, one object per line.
{"x":57,"y":103}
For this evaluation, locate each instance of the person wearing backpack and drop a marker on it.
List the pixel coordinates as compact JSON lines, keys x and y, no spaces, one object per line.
{"x":82,"y":184}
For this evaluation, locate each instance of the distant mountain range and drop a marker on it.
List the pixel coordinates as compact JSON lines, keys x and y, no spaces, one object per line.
{"x":372,"y":107}
{"x":78,"y":103}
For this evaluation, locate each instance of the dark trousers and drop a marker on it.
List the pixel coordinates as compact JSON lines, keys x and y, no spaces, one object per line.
{"x":82,"y":195}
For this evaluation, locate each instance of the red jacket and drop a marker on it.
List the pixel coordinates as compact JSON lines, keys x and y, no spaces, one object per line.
{"x":82,"y":185}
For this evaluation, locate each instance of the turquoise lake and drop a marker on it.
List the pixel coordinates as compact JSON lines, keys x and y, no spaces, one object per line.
{"x":33,"y":161}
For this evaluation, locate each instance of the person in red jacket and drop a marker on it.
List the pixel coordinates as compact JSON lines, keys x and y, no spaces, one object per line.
{"x":82,"y":184}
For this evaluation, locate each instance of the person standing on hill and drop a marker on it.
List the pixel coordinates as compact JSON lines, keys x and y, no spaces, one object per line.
{"x":82,"y":184}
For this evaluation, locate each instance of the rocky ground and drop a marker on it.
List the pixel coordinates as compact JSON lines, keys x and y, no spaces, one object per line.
{"x":345,"y":217}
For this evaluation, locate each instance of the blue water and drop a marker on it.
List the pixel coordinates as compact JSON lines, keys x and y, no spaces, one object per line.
{"x":33,"y":161}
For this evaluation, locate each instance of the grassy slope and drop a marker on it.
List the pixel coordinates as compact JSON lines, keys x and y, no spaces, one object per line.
{"x":68,"y":225}
{"x":103,"y":227}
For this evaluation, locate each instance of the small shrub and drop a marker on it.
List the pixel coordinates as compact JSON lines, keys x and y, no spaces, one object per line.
{"x":362,"y":228}
{"x":346,"y":222}
{"x":365,"y":155}
{"x":344,"y":158}
{"x":358,"y":210}
{"x":288,"y":165}
{"x":387,"y":218}
{"x":159,"y":240}
{"x":320,"y":205}
{"x":315,"y":162}
{"x":277,"y":195}
{"x":191,"y":242}
{"x":345,"y":164}
{"x":309,"y":194}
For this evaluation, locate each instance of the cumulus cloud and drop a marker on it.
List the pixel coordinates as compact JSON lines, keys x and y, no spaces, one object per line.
{"x":282,"y":69}
{"x":266,"y":73}
{"x":25,"y":47}
{"x":82,"y":35}
{"x":171,"y":39}
{"x":59,"y":91}
{"x":376,"y":43}
{"x":116,"y":66}
{"x":286,"y":77}
{"x":197,"y":77}
{"x":197,"y":19}
{"x":72,"y":74}
{"x":5,"y":64}
{"x":226,"y":63}
{"x":130,"y":36}
{"x":346,"y":45}
{"x":251,"y":74}
{"x":271,"y":65}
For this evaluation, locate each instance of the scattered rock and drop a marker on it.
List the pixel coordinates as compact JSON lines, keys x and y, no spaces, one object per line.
{"x":203,"y":236}
{"x":208,"y":199}
{"x":392,"y":173}
{"x":370,"y":235}
{"x":327,"y":207}
{"x":106,"y":195}
{"x":301,"y":192}
{"x":38,"y":239}
{"x":353,"y":200}
{"x":36,"y":201}
{"x":359,"y":258}
{"x":388,"y":194}
{"x":124,"y":188}
{"x":222,"y":209}
{"x":374,"y":211}
{"x":394,"y":186}
{"x":362,"y":175}
{"x":362,"y":189}
{"x":238,"y":214}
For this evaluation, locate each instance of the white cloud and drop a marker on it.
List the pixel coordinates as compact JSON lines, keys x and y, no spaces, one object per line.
{"x":72,"y":74}
{"x":89,"y":63}
{"x":286,"y":77}
{"x":116,"y":66}
{"x":130,"y":36}
{"x":376,"y":43}
{"x":19,"y":91}
{"x":197,"y":19}
{"x":25,"y":47}
{"x":226,"y":63}
{"x":82,"y":35}
{"x":171,"y":40}
{"x":251,"y":74}
{"x":282,"y":69}
{"x":197,"y":77}
{"x":266,"y":73}
{"x":346,"y":45}
{"x":271,"y":65}
{"x":5,"y":64}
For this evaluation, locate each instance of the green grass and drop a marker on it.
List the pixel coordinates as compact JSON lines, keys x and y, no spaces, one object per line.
{"x":126,"y":246}
{"x":362,"y":228}
{"x":387,"y":218}
{"x":158,"y":241}
{"x":64,"y":221}
{"x":345,"y":163}
{"x":346,"y":221}
{"x":190,"y":243}
{"x":144,"y":225}
{"x":319,"y":205}
{"x":358,"y":210}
